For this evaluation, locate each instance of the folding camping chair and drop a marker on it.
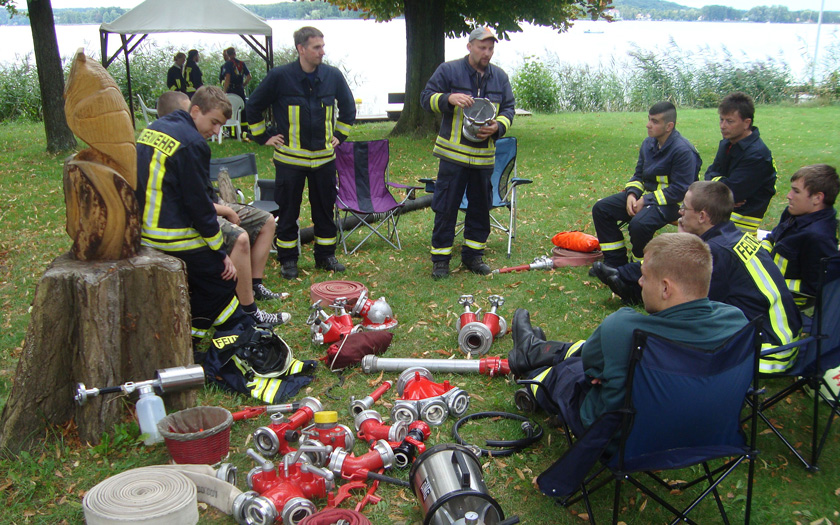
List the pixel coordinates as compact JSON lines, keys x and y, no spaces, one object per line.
{"x":244,"y":165}
{"x":683,"y":408}
{"x":149,"y":114}
{"x":818,"y":352}
{"x":504,"y":187}
{"x":363,"y":192}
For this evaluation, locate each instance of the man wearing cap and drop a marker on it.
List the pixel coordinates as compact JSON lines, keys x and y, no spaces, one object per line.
{"x":466,"y":165}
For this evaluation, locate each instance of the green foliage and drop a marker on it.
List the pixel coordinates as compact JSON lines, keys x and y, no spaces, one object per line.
{"x":124,"y":439}
{"x":20,"y":98}
{"x":535,"y":87}
{"x":662,"y":10}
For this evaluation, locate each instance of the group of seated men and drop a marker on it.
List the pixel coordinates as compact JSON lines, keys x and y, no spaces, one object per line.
{"x":701,"y":285}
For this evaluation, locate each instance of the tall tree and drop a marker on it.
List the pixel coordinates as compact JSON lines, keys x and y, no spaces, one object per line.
{"x":50,"y":74}
{"x":429,"y":22}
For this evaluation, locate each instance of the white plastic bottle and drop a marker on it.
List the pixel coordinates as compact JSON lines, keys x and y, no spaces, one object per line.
{"x":150,"y":410}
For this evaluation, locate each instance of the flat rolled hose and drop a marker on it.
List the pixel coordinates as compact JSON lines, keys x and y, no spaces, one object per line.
{"x":158,"y":495}
{"x":329,"y":291}
{"x":330,"y":516}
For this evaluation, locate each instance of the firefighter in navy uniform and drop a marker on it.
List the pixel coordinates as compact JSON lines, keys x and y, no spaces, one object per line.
{"x":175,"y":75}
{"x":303,"y":96}
{"x":192,"y":73}
{"x":743,"y":162}
{"x":464,"y":164}
{"x":178,"y":217}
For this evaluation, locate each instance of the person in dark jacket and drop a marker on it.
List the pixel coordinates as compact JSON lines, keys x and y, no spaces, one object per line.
{"x":586,"y":379}
{"x":235,"y":74}
{"x":807,"y":231}
{"x":466,"y":164}
{"x":175,"y":75}
{"x":178,"y":216}
{"x":743,"y":162}
{"x":192,"y":73}
{"x":303,"y":95}
{"x":668,"y":163}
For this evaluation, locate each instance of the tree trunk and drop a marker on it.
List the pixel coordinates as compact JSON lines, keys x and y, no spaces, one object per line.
{"x":50,"y":76}
{"x":424,"y":35}
{"x":101,"y":324}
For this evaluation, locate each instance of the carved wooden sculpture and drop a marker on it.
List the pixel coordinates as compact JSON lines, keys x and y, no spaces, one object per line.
{"x":102,"y":214}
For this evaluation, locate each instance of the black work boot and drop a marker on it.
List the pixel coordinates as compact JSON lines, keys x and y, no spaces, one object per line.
{"x":441,"y":270}
{"x":530,"y":352}
{"x":330,"y":264}
{"x":477,"y":265}
{"x":289,"y":269}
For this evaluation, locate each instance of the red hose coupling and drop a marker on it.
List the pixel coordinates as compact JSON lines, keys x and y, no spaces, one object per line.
{"x":328,"y":330}
{"x":276,"y":437}
{"x":358,"y":406}
{"x":413,"y":445}
{"x":351,"y":467}
{"x":328,"y":431}
{"x":492,"y":366}
{"x":370,"y":428}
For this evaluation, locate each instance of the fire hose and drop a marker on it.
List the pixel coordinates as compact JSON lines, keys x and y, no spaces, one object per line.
{"x":490,"y":366}
{"x":330,"y":516}
{"x":533,"y":433}
{"x":167,"y":493}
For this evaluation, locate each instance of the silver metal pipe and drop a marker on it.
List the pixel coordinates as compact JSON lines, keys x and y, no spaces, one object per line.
{"x":372,"y":363}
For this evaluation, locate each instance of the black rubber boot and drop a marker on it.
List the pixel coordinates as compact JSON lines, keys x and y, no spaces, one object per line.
{"x":530,"y":351}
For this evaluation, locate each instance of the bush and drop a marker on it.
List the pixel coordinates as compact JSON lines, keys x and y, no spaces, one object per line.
{"x":535,"y":87}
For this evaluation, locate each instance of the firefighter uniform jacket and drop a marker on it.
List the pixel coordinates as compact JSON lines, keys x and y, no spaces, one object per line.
{"x":193,"y":77}
{"x":664,"y":174}
{"x":747,"y":167}
{"x":304,"y":112}
{"x":175,"y":79}
{"x":745,"y":276}
{"x":458,"y":76}
{"x":173,"y":187}
{"x":798,"y":244}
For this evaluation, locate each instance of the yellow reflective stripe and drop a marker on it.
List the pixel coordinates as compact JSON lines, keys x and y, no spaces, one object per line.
{"x":295,"y":367}
{"x":463,"y":159}
{"x":294,"y":127}
{"x":273,"y":385}
{"x":441,"y":251}
{"x":745,"y":223}
{"x":488,"y":152}
{"x":611,"y":246}
{"x":662,"y":179}
{"x":434,"y":103}
{"x":574,"y":348}
{"x":539,"y":378}
{"x":227,"y":312}
{"x":197,"y":332}
{"x":216,"y":241}
{"x":457,"y":127}
{"x":176,"y":246}
{"x":287,"y":244}
{"x":659,"y":195}
{"x":794,"y":285}
{"x":324,"y":241}
{"x":257,"y":128}
{"x":172,"y":233}
{"x":257,"y":387}
{"x":343,"y":128}
{"x":776,"y":313}
{"x":715,"y":179}
{"x":154,"y":189}
{"x":782,"y":263}
{"x":475,"y":245}
{"x":767,"y":245}
{"x":635,"y":184}
{"x":633,"y":258}
{"x":328,"y":126}
{"x":504,"y":120}
{"x":776,"y":363}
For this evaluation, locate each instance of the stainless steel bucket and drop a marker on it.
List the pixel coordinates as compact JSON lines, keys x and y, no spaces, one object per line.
{"x":448,"y":482}
{"x":479,"y":114}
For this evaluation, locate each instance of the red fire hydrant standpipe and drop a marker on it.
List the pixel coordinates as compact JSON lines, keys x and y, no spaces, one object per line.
{"x":474,"y":337}
{"x":276,"y":437}
{"x":330,"y":329}
{"x":422,"y":398}
{"x":328,"y":431}
{"x":376,"y":315}
{"x":358,"y":406}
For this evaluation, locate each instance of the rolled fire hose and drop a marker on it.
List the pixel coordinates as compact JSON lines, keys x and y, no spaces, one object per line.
{"x":157,"y":495}
{"x":330,"y":516}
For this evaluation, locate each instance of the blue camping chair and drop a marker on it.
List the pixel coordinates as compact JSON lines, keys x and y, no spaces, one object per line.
{"x":818,"y":352}
{"x":243,"y":165}
{"x":364,"y":193}
{"x":504,"y":187}
{"x":683,"y":408}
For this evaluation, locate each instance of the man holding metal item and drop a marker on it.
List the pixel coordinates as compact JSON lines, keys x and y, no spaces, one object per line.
{"x":303,"y":95}
{"x":462,"y":90}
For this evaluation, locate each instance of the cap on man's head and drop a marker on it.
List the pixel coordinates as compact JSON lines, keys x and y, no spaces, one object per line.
{"x":482,"y":33}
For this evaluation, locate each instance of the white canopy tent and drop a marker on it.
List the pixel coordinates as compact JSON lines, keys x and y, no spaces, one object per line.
{"x":184,"y":16}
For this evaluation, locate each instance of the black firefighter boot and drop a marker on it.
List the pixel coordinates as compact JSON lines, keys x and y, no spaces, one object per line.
{"x":530,"y":349}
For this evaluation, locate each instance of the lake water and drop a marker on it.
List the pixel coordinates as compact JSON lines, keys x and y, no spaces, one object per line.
{"x":374,"y":53}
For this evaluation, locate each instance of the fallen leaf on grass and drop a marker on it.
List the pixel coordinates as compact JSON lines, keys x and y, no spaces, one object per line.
{"x":478,"y":397}
{"x":520,"y":474}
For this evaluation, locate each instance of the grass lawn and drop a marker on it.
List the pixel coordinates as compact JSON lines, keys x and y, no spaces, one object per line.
{"x":573,"y":160}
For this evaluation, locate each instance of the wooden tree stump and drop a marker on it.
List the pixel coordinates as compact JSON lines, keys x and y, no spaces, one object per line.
{"x":101,"y":324}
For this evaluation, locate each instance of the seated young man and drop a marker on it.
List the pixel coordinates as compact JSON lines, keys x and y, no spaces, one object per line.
{"x":743,"y":275}
{"x":743,"y":162}
{"x":248,"y":233}
{"x":586,"y":379}
{"x":807,"y":231}
{"x":178,"y":217}
{"x":668,"y":163}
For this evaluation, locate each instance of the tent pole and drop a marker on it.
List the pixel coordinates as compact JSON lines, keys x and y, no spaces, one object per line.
{"x":103,"y":45}
{"x":128,"y":79}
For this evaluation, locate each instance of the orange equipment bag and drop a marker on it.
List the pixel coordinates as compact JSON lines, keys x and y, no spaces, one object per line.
{"x":576,"y":241}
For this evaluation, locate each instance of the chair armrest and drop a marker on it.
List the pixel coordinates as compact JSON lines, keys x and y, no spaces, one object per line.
{"x":516,"y":181}
{"x":799,"y":342}
{"x":429,"y":184}
{"x":403,"y":186}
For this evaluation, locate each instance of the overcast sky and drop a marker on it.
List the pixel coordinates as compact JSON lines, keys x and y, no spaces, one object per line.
{"x":830,"y":5}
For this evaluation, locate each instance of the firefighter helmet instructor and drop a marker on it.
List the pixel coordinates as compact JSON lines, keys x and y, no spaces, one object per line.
{"x":303,"y":96}
{"x":466,"y":165}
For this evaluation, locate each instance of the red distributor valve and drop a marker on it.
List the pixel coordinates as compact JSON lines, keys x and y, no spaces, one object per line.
{"x":366,"y":403}
{"x":475,"y":338}
{"x":371,"y":428}
{"x":413,"y":445}
{"x":376,"y":315}
{"x":276,"y":437}
{"x":355,"y":468}
{"x":289,"y":489}
{"x":424,"y":399}
{"x":328,"y":431}
{"x":328,"y":330}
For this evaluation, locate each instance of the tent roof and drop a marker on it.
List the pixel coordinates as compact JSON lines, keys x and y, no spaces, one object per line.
{"x":188,"y":16}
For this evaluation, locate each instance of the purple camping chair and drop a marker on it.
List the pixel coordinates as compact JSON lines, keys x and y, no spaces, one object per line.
{"x":363,"y":192}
